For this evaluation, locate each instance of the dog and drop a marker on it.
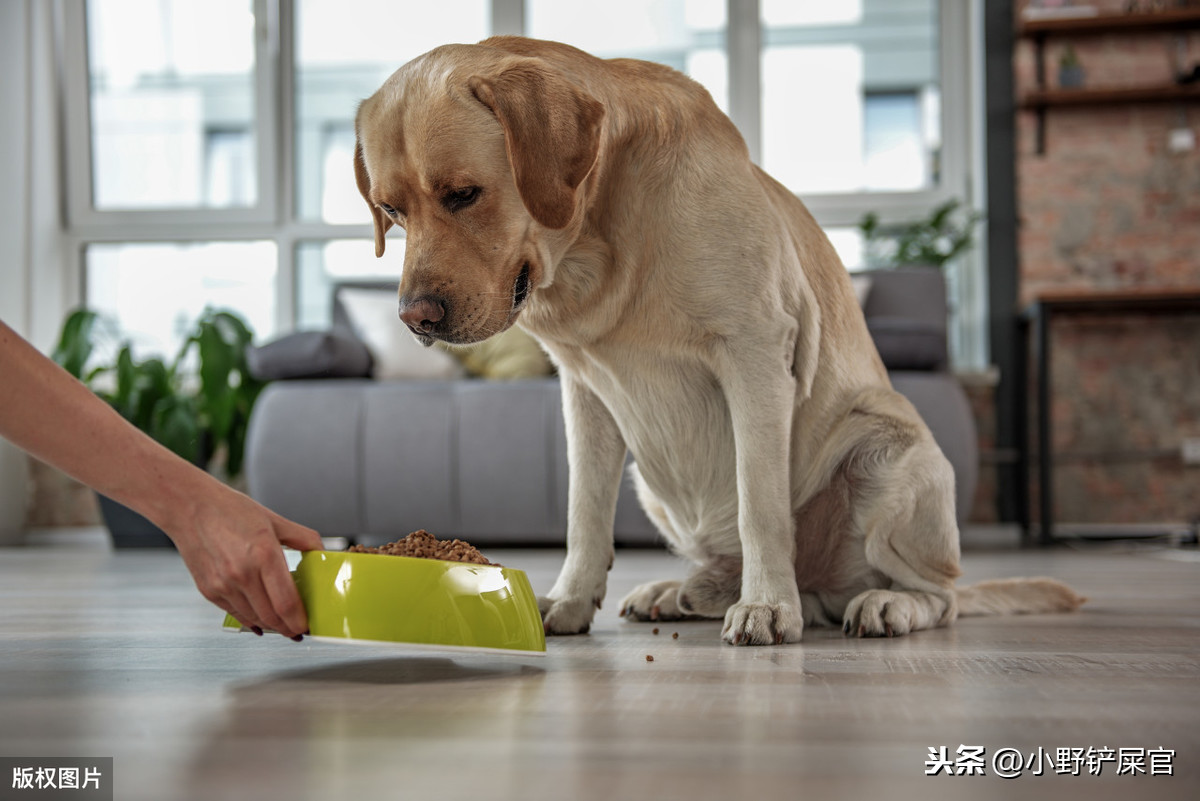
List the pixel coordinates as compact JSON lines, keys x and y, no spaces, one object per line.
{"x":699,"y":319}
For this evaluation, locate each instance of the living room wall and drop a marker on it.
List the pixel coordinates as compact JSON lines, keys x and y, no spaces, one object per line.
{"x":13,"y":234}
{"x":33,"y":292}
{"x":1111,"y":205}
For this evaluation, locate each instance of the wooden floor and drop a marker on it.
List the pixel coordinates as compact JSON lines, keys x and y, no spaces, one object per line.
{"x":106,"y":654}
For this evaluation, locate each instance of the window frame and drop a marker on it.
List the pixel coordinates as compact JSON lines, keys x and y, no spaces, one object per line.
{"x":80,"y":205}
{"x":275,"y":215}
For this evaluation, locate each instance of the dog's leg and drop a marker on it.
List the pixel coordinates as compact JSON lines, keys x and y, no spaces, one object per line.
{"x":711,"y":588}
{"x":706,"y":593}
{"x":761,"y":394}
{"x":595,"y":458}
{"x":911,"y":536}
{"x":656,"y":600}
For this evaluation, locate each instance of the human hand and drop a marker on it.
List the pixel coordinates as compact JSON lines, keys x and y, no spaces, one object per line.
{"x":231,"y":545}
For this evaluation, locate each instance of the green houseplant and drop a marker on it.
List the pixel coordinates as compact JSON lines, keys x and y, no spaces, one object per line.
{"x":199,"y":413}
{"x":935,"y":241}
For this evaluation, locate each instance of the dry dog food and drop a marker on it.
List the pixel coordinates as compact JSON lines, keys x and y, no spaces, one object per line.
{"x":424,"y":545}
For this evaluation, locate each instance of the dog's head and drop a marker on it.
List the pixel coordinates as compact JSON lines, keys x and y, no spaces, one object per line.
{"x":479,"y":156}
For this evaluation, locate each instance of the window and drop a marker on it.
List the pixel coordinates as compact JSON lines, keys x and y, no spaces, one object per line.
{"x":339,"y":61}
{"x":899,"y":140}
{"x":211,"y":163}
{"x":688,"y":35}
{"x":157,"y":290}
{"x":850,"y":95}
{"x":175,"y":121}
{"x":322,"y":265}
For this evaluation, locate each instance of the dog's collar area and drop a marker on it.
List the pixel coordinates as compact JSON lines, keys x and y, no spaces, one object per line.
{"x":521,"y":288}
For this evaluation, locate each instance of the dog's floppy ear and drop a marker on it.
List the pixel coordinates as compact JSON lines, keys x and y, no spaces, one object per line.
{"x":363,"y":179}
{"x":551,"y":133}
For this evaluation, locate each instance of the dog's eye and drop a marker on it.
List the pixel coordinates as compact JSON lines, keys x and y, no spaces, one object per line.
{"x":457,"y":199}
{"x":396,"y":215}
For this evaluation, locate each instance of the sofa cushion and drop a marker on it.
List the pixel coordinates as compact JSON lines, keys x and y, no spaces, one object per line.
{"x":905,"y":311}
{"x":309,"y":354}
{"x":907,"y":344}
{"x":304,"y":452}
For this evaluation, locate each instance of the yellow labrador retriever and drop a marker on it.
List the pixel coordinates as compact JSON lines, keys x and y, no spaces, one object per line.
{"x":699,"y":319}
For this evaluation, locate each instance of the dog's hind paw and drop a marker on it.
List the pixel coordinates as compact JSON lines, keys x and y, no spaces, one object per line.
{"x":763,"y":624}
{"x":566,"y":615}
{"x":658,"y":600}
{"x":885,"y":613}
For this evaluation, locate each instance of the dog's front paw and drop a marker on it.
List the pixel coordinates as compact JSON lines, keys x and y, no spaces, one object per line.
{"x":658,"y":600}
{"x":762,"y":624}
{"x":566,"y":615}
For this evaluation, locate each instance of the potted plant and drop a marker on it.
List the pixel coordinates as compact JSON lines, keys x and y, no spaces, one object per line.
{"x":198,"y":414}
{"x":933,"y":242}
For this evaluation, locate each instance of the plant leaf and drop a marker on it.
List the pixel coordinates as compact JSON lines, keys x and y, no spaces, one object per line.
{"x":122,"y":398}
{"x":177,"y":426}
{"x":75,"y":344}
{"x":152,"y":384}
{"x":217,"y":362}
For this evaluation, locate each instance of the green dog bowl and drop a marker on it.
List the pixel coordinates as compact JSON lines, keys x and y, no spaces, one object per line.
{"x":427,"y":603}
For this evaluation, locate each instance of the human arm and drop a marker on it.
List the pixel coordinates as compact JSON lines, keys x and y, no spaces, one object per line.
{"x":229,"y":542}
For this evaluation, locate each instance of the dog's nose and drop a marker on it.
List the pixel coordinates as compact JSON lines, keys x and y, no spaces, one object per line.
{"x":422,"y":314}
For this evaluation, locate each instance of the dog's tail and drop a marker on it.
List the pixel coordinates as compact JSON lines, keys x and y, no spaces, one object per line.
{"x":1018,"y":596}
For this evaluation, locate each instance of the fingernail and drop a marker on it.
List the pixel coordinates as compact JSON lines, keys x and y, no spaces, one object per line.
{"x":257,"y":630}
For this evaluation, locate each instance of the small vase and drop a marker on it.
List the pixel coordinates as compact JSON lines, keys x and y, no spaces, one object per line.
{"x":1070,"y":77}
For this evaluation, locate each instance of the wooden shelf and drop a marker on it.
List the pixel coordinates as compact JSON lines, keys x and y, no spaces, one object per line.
{"x":1039,"y":100}
{"x":1170,"y":93}
{"x":1129,"y":299}
{"x":1173,"y":19}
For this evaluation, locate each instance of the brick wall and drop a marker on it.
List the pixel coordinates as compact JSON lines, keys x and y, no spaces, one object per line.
{"x":1109,"y":206}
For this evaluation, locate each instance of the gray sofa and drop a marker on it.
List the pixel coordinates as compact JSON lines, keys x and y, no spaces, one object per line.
{"x":486,"y":460}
